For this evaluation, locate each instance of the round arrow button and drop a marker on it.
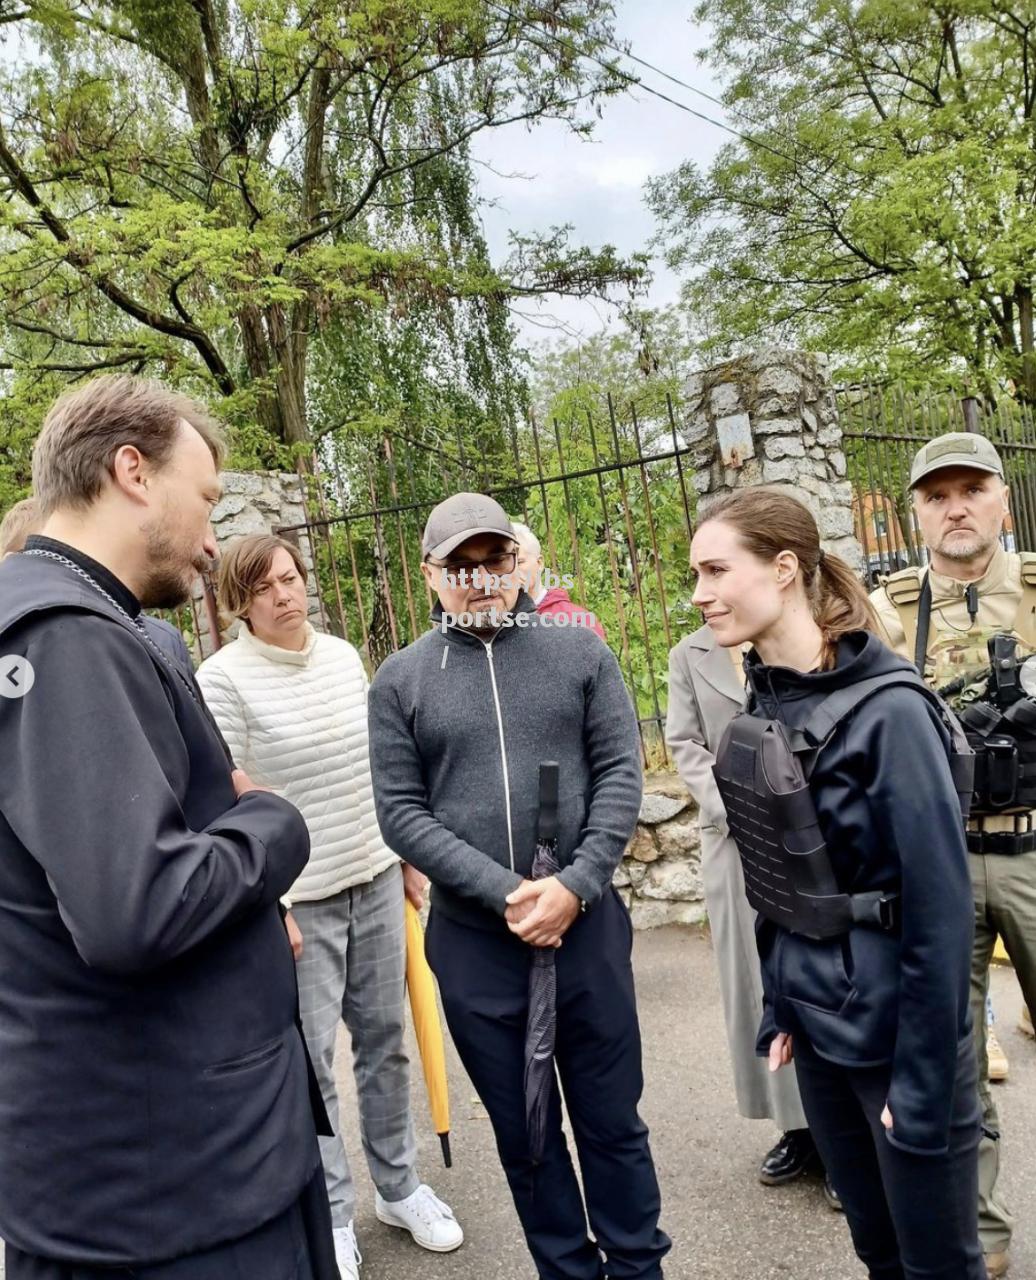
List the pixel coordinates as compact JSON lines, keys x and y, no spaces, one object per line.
{"x":16,"y":676}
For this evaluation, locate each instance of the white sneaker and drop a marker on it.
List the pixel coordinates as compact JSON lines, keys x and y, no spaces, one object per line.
{"x":347,"y":1252}
{"x":424,"y":1215}
{"x":996,"y":1059}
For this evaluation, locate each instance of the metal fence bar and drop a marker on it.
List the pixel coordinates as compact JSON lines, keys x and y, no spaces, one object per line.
{"x":613,"y":565}
{"x":635,"y":570}
{"x":573,"y":539}
{"x":543,"y":490}
{"x":313,"y":551}
{"x":677,"y":454}
{"x":384,"y":586}
{"x":322,"y":508}
{"x":496,"y":490}
{"x":890,"y":488}
{"x":546,"y":491}
{"x":394,"y":490}
{"x":882,"y":426}
{"x":659,"y":577}
{"x":358,"y":590}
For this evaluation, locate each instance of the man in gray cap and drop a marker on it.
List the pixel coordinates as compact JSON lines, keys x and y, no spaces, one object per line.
{"x":943,"y":617}
{"x":460,"y":722}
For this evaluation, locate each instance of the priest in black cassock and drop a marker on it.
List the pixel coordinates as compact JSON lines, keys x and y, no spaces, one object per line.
{"x":156,"y":1115}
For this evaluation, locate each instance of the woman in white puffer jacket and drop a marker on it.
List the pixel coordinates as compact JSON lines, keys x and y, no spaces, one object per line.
{"x":292,"y":705}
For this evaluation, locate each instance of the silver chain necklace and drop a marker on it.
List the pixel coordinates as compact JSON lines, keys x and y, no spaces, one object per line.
{"x":135,"y":623}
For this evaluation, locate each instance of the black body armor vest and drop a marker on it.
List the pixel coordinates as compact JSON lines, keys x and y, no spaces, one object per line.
{"x":762,"y":770}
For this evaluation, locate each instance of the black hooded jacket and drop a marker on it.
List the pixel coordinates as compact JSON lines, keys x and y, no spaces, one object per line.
{"x":886,"y":804}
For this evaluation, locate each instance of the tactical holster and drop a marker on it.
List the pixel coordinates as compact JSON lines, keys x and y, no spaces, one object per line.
{"x":763,"y":770}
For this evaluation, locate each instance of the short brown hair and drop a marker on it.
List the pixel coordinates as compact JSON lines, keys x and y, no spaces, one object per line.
{"x":770,"y":522}
{"x":245,"y":564}
{"x":86,"y":427}
{"x":21,"y":522}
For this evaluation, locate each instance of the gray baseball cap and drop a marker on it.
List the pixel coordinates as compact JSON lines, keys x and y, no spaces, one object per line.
{"x":461,"y":517}
{"x":955,"y":449}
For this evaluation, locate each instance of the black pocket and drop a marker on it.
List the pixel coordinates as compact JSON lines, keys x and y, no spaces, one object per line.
{"x":814,"y":974}
{"x":619,"y":908}
{"x":246,"y":1061}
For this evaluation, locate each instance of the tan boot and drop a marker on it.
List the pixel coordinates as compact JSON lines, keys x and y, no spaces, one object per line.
{"x":998,"y":1064}
{"x":1025,"y":1022}
{"x":997,"y":1264}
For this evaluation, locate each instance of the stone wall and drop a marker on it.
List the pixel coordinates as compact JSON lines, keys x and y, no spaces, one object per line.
{"x":660,"y":876}
{"x":771,"y":418}
{"x":258,"y":502}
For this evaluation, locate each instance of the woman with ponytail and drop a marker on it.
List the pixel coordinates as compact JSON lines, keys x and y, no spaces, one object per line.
{"x":876,"y":1015}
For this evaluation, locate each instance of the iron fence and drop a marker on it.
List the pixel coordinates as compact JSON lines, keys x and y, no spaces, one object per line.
{"x":883,"y":426}
{"x":200,"y":638}
{"x":612,"y":503}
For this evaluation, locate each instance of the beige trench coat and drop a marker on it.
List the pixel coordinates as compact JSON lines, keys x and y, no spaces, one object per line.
{"x":704,"y":695}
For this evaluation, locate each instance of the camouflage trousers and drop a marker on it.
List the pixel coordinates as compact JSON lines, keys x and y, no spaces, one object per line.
{"x":1005,"y":904}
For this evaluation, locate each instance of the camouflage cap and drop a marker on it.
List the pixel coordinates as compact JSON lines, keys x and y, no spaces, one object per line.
{"x":461,"y":517}
{"x":955,"y":449}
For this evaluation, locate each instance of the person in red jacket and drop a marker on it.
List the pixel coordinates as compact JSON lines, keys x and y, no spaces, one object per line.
{"x":538,"y":581}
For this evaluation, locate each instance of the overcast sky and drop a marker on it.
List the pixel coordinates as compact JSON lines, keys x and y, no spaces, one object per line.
{"x":598,"y":185}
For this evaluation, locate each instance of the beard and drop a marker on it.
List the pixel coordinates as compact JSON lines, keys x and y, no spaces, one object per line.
{"x":965,"y":549}
{"x":172,"y":569}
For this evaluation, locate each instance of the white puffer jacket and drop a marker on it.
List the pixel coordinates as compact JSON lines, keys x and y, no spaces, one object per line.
{"x":297,"y":722}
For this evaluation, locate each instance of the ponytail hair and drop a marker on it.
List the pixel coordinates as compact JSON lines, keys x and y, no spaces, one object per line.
{"x":769,"y":522}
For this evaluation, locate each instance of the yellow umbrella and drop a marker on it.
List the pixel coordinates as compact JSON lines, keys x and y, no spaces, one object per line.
{"x":428,"y":1028}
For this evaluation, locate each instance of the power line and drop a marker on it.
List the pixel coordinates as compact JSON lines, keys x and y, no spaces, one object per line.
{"x":627,"y":53}
{"x":656,"y":93}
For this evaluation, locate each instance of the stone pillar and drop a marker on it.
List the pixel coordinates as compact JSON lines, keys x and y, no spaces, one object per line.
{"x":259,"y":502}
{"x":770,"y":418}
{"x":660,"y":876}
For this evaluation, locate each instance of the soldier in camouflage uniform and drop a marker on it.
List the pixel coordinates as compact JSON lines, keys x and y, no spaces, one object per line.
{"x":976,"y":590}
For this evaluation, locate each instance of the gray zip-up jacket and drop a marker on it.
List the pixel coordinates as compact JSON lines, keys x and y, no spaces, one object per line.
{"x":458,"y":729}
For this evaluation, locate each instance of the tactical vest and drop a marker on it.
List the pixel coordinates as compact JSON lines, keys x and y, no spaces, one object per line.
{"x":903,"y":588}
{"x":763,"y":770}
{"x":1004,"y":739}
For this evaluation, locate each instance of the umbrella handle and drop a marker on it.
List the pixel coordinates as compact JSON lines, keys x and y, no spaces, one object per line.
{"x":547,"y":820}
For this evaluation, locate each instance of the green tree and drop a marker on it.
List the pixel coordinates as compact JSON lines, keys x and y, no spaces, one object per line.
{"x":883,"y":207}
{"x":640,"y":363}
{"x":272,"y":202}
{"x":601,"y":406}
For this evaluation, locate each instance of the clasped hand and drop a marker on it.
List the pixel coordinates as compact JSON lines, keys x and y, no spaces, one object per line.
{"x":541,"y":911}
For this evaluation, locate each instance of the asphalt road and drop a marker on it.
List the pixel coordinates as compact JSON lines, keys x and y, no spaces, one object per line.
{"x":723,"y":1223}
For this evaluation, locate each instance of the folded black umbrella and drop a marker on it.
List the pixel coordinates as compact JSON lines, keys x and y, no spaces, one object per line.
{"x":541,"y":1028}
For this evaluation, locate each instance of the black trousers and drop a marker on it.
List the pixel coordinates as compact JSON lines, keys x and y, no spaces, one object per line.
{"x":296,"y":1245}
{"x":483,"y":979}
{"x":912,"y":1217}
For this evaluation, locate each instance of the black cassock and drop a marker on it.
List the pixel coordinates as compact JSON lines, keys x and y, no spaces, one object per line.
{"x":155,"y":1102}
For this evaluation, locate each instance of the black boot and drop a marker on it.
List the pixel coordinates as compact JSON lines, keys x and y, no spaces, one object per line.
{"x":792,"y":1156}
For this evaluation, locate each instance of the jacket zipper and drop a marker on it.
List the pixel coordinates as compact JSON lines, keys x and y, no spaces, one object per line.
{"x":503,"y":749}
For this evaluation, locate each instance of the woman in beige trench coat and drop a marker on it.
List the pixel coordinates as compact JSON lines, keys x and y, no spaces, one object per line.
{"x":705,"y":692}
